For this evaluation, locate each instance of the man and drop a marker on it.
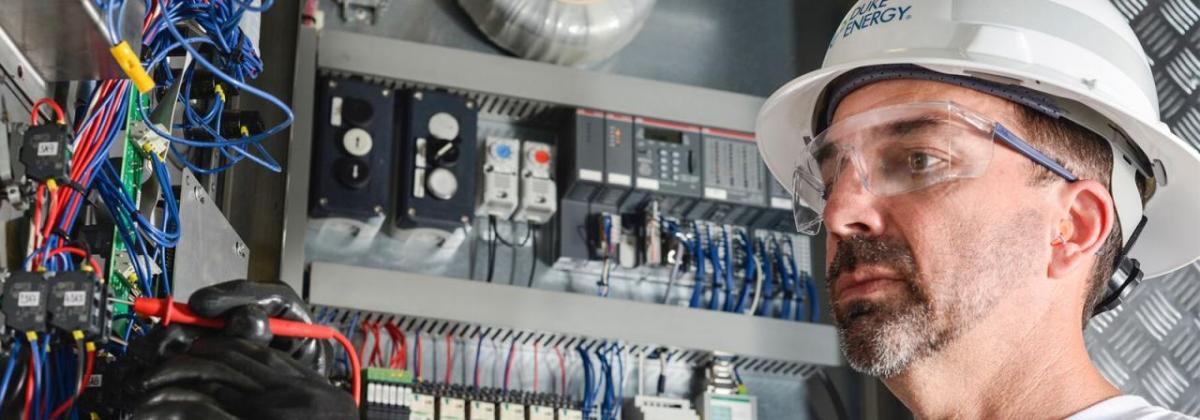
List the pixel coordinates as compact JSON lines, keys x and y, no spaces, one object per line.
{"x":990,"y":175}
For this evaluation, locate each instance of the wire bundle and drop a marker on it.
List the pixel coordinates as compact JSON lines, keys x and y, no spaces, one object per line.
{"x":235,"y":61}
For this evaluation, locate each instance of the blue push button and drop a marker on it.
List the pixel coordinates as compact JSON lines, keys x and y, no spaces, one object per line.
{"x":503,"y":151}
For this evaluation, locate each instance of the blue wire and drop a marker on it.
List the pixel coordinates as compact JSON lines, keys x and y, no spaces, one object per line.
{"x":606,"y":380}
{"x":620,"y":383}
{"x":768,"y":288}
{"x":507,"y":361}
{"x":8,"y":370}
{"x":714,"y":302}
{"x":478,"y":350}
{"x":219,"y":142}
{"x":698,"y":258}
{"x":727,"y":268}
{"x":588,"y":393}
{"x":751,"y":269}
{"x":795,"y":274}
{"x":786,"y":278}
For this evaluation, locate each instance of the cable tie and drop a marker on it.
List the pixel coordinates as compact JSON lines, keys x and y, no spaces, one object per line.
{"x":61,"y":233}
{"x":129,"y":62}
{"x":68,"y":183}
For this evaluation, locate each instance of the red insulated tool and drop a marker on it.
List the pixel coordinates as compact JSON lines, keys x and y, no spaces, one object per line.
{"x":170,"y":311}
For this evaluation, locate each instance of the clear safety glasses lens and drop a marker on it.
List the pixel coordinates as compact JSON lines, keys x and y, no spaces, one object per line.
{"x":889,"y":151}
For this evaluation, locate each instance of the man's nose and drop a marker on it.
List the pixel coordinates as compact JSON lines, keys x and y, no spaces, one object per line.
{"x":852,"y":210}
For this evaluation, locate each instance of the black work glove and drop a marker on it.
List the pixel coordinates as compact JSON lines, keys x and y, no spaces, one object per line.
{"x":222,"y":377}
{"x":243,"y":371}
{"x":246,"y":305}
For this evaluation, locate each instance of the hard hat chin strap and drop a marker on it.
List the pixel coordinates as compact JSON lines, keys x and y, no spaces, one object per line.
{"x":1127,"y":273}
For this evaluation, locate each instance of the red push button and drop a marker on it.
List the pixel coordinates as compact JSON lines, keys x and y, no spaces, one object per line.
{"x":541,"y":156}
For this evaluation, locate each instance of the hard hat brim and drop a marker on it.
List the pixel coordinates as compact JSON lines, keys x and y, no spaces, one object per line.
{"x":1165,"y":245}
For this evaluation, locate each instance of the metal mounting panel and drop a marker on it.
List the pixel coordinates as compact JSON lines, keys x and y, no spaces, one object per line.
{"x":64,"y":39}
{"x":209,"y":251}
{"x":766,"y":345}
{"x":512,"y":77}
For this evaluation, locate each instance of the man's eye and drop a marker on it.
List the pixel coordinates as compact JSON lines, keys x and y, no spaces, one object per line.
{"x":923,"y":162}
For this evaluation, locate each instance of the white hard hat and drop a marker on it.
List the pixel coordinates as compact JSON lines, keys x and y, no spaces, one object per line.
{"x":1079,"y":53}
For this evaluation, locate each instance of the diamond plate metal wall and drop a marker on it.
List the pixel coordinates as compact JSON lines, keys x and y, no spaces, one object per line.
{"x":1150,"y":346}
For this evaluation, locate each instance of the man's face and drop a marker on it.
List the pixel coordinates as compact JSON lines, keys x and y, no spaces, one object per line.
{"x":910,"y":273}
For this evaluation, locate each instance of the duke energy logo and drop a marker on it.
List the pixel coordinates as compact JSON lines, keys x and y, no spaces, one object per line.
{"x":871,"y":13}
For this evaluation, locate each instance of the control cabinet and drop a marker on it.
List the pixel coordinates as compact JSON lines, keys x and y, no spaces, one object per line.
{"x":436,"y":184}
{"x":735,"y":188}
{"x":667,"y":166}
{"x":352,"y":149}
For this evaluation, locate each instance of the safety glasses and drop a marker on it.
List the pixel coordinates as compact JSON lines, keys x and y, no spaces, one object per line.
{"x":898,"y":149}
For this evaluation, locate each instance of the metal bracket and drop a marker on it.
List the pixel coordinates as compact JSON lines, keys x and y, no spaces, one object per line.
{"x":362,"y":11}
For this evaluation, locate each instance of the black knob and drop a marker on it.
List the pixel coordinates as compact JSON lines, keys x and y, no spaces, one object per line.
{"x":352,"y":172}
{"x":357,"y":112}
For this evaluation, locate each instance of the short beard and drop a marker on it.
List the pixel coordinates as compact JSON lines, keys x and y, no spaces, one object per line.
{"x":883,"y":338}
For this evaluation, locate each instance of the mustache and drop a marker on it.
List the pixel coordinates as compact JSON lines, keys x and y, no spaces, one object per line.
{"x":857,"y":251}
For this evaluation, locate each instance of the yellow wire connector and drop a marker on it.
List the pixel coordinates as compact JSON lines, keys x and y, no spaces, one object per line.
{"x":129,"y":62}
{"x":90,"y":346}
{"x":32,"y":336}
{"x":220,"y":92}
{"x":52,"y":185}
{"x":77,"y":334}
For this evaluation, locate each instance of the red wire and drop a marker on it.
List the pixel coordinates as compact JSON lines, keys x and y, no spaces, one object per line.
{"x":399,"y":352}
{"x":37,"y":214}
{"x":420,"y":357}
{"x":85,"y":151}
{"x":376,"y":359}
{"x":78,"y":252}
{"x":562,"y":371}
{"x":87,"y":374}
{"x":58,"y":111}
{"x":355,"y":366}
{"x":508,"y":364}
{"x":449,"y":357}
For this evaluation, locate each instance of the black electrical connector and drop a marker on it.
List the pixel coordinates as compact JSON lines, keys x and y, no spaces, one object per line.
{"x":78,"y":302}
{"x":24,"y":303}
{"x":44,"y":152}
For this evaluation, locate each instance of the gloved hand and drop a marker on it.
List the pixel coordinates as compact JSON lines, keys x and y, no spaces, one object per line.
{"x":246,"y":305}
{"x":182,"y":372}
{"x":222,"y":377}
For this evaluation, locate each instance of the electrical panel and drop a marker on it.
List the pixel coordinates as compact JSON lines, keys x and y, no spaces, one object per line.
{"x":436,"y":183}
{"x":660,"y":408}
{"x":581,"y":178}
{"x":667,"y":161}
{"x":501,"y":164}
{"x":352,"y":149}
{"x":44,"y":151}
{"x":778,"y":214}
{"x":581,"y":169}
{"x":24,"y":302}
{"x":618,"y":162}
{"x":731,"y":407}
{"x":735,"y":187}
{"x":539,"y":197}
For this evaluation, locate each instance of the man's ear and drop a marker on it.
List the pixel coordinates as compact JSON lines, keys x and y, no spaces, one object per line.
{"x":1087,"y":219}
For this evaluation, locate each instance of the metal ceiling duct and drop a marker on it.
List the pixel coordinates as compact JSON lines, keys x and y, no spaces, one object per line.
{"x":566,"y":32}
